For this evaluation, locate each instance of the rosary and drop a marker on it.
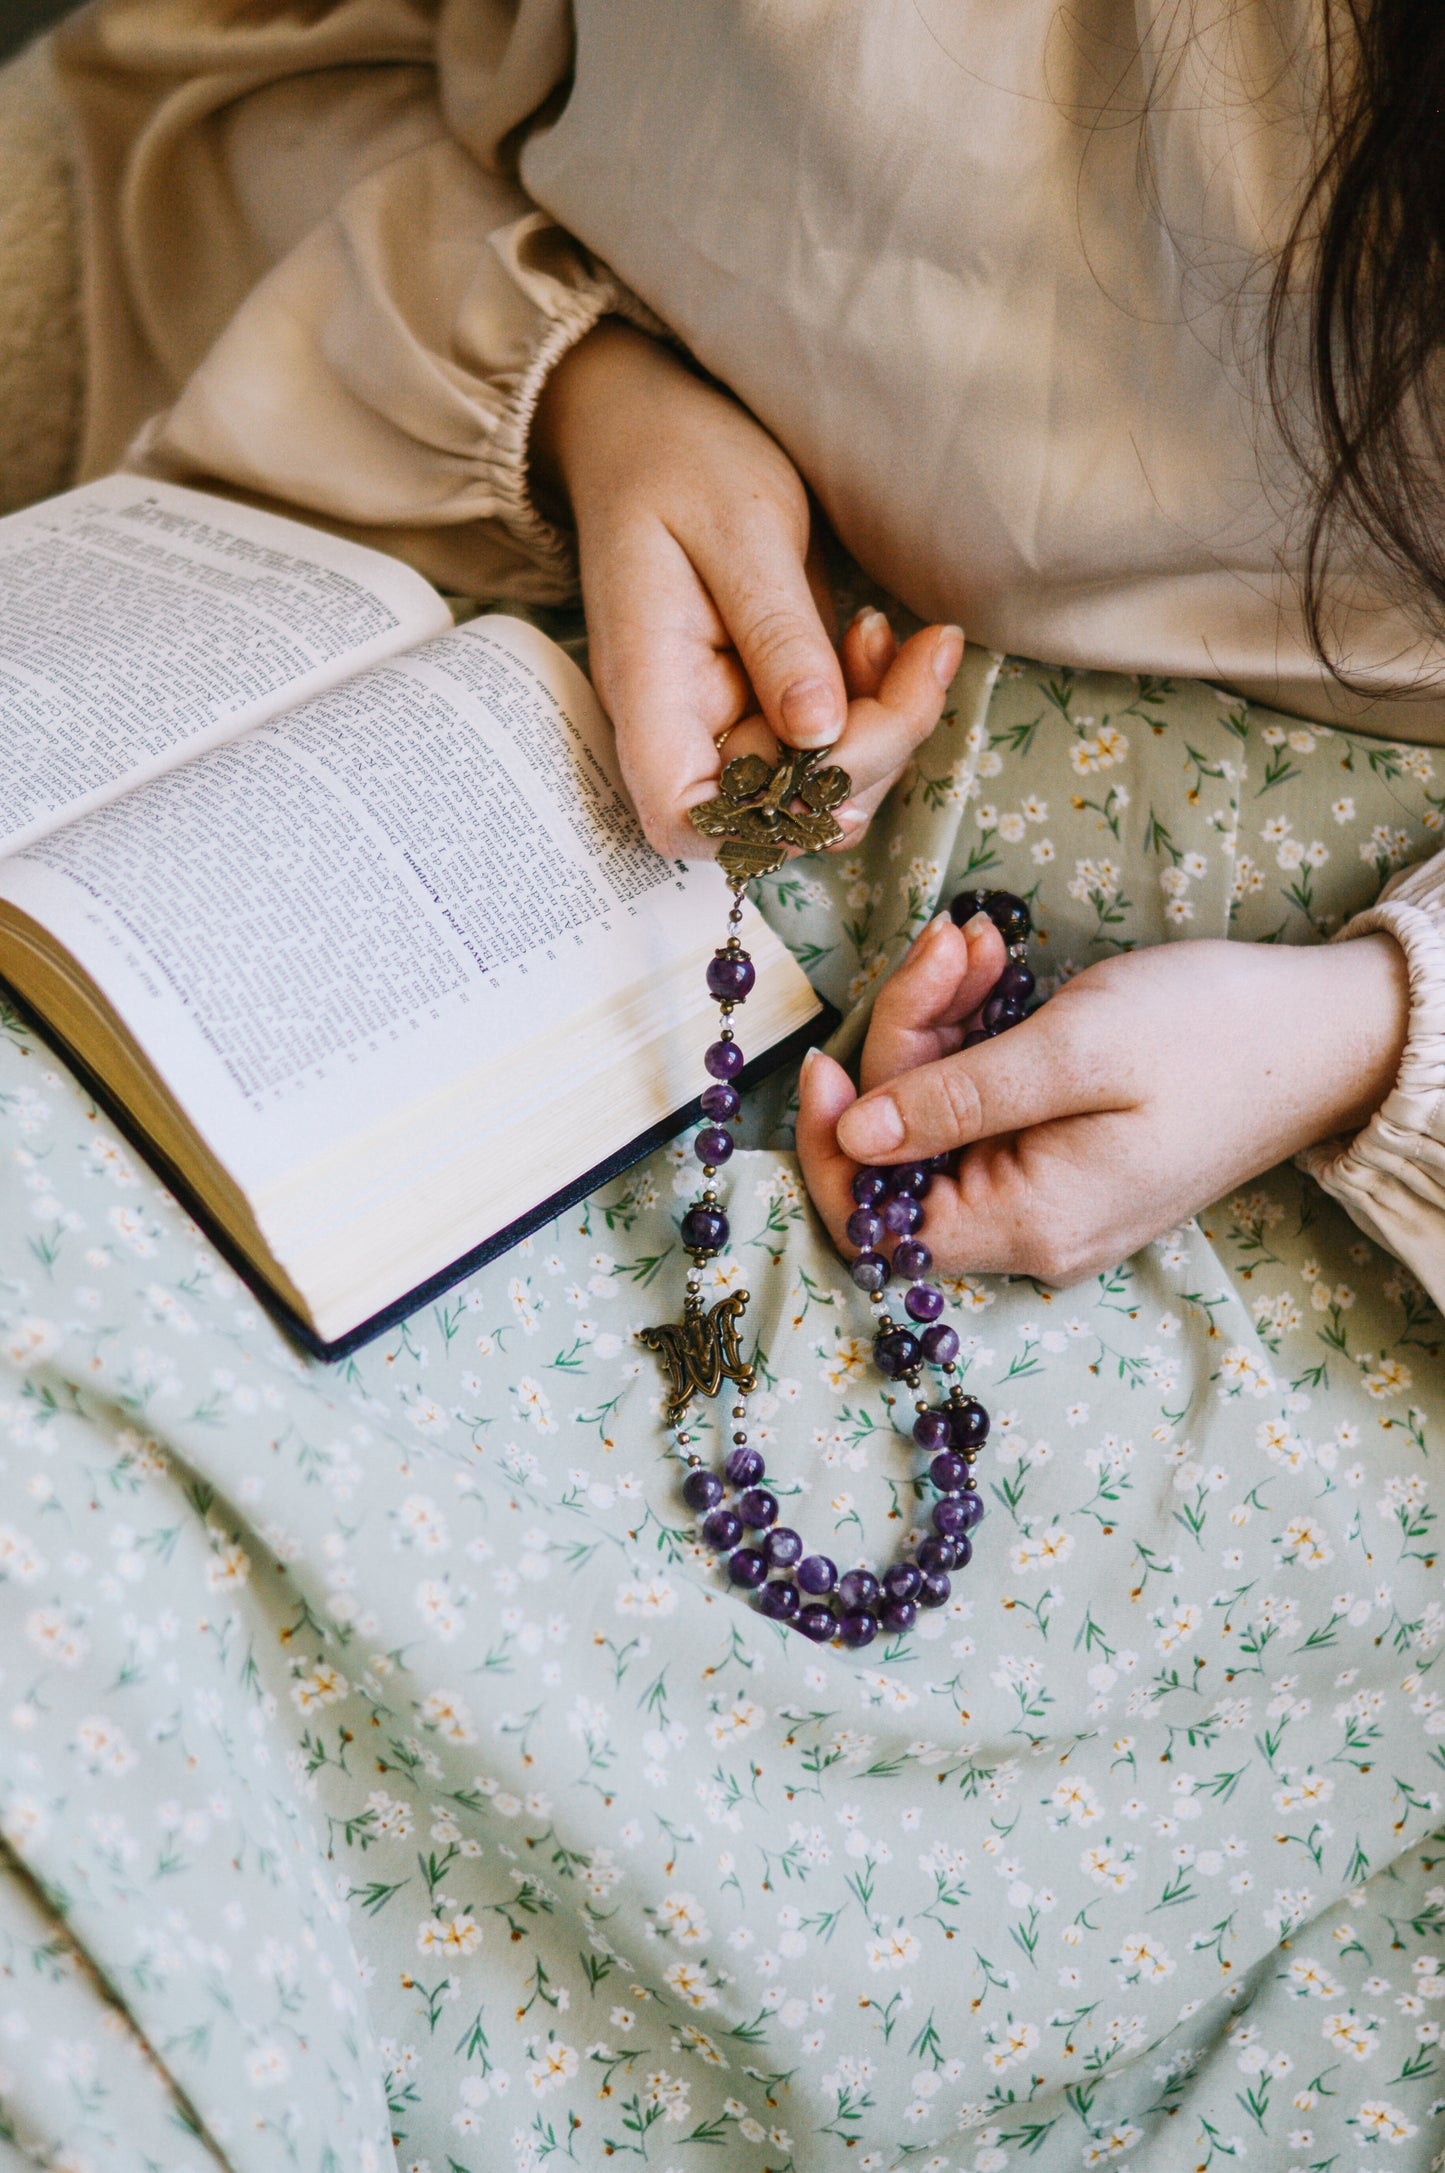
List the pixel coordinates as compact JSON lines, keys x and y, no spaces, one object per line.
{"x":761,"y":811}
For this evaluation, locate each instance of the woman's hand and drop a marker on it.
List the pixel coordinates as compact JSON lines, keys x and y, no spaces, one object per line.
{"x":704,"y":608}
{"x":1148,"y":1087}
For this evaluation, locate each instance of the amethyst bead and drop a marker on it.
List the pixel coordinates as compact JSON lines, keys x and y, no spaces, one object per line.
{"x":713,"y":1145}
{"x":817,"y":1574}
{"x":730,"y":975}
{"x":949,"y":1472}
{"x":962,"y":1551}
{"x":898,"y":1616}
{"x":864,"y":1227}
{"x":870,"y":1186}
{"x":911,"y":1259}
{"x":935,"y":1554}
{"x":970,"y":1423}
{"x":783,"y":1547}
{"x":1000,"y":1012}
{"x":938,"y":1163}
{"x":705,"y":1229}
{"x":747,"y":1568}
{"x":722,"y":1530}
{"x":721,"y":1101}
{"x":940,"y":1346}
{"x":914,"y":1177}
{"x":871,"y":1272}
{"x":923,"y":1303}
{"x":780,"y":1601}
{"x":745,"y":1466}
{"x":974,"y":1036}
{"x":858,"y":1628}
{"x":1010,"y":916}
{"x":972,"y":1507}
{"x":933,"y":1592}
{"x":723,"y":1059}
{"x":817,"y":1623}
{"x":901,"y":1580}
{"x":758,"y":1508}
{"x":896,"y":1352}
{"x":931,"y":1431}
{"x":702,"y":1490}
{"x":949,"y":1517}
{"x":902,"y":1214}
{"x":966,"y":904}
{"x":857,"y":1588}
{"x":1015,"y":982}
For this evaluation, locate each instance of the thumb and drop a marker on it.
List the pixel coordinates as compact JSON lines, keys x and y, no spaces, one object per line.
{"x":1056,"y":1064}
{"x":760,"y":588}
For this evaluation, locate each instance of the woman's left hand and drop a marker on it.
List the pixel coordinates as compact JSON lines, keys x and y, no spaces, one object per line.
{"x":1147,"y":1087}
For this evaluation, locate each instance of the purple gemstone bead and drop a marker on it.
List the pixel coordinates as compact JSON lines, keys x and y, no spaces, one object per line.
{"x":758,"y":1508}
{"x":722,"y":1530}
{"x":970,"y":1423}
{"x":999,"y":1012}
{"x":857,"y":1588}
{"x":817,"y":1574}
{"x":902,"y":1214}
{"x":935,"y":1554}
{"x":966,"y":904}
{"x":901,"y":1580}
{"x":974,"y":1036}
{"x":898,"y":1616}
{"x":923,"y":1303}
{"x":723,"y":1059}
{"x":702,"y":1490}
{"x":864,"y":1227}
{"x":870,"y":1186}
{"x":783,"y":1547}
{"x":747,"y":1568}
{"x":713,"y":1145}
{"x":745,"y":1466}
{"x":705,"y":1229}
{"x":972,"y":1507}
{"x":931,"y":1431}
{"x":858,"y":1628}
{"x":949,"y":1472}
{"x":911,"y":1259}
{"x":934,"y":1590}
{"x":721,"y":1101}
{"x":817,"y":1623}
{"x":949,"y":1516}
{"x":730,"y":975}
{"x":871,"y":1272}
{"x":914,"y":1177}
{"x":940,"y":1346}
{"x":1015,"y":982}
{"x":938,"y":1163}
{"x":1010,"y":916}
{"x":780,"y":1601}
{"x":896,"y":1352}
{"x":962,"y":1551}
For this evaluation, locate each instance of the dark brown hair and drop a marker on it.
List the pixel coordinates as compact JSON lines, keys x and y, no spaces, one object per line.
{"x":1367,"y":258}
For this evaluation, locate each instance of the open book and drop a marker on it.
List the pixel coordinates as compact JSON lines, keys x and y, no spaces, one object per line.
{"x":341,"y":909}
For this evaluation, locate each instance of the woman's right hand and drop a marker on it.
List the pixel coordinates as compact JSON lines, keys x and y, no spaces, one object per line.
{"x":705,"y":608}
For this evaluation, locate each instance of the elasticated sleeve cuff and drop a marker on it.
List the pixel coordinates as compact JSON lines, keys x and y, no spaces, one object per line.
{"x":1390,"y":1177}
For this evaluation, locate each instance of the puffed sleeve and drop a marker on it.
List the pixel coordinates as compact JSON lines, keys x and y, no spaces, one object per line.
{"x":312,"y":275}
{"x":1390,"y":1177}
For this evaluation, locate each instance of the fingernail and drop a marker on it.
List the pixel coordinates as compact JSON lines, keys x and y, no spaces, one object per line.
{"x":809,"y":1057}
{"x":810,"y":711}
{"x":977,"y":925}
{"x":939,"y":920}
{"x":849,"y":815}
{"x":874,"y":1127}
{"x":876,"y":635}
{"x":948,"y":656}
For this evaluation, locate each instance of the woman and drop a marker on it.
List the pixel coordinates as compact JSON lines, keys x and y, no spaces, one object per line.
{"x":1129,"y":1864}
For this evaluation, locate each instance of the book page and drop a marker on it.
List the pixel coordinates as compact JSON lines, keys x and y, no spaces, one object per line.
{"x":141,"y":623}
{"x":316,"y":926}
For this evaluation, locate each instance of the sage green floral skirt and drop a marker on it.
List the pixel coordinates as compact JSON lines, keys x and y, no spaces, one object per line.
{"x":384,"y":1769}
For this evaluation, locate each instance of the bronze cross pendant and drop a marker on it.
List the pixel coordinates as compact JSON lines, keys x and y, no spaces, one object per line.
{"x":757,"y":815}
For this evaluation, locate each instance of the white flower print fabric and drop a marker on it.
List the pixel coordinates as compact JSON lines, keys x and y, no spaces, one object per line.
{"x":388,"y":1778}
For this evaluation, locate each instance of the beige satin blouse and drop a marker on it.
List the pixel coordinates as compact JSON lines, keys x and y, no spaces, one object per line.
{"x":992,"y":271}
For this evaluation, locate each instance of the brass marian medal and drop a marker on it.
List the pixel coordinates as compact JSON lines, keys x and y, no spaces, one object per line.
{"x":759,"y":820}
